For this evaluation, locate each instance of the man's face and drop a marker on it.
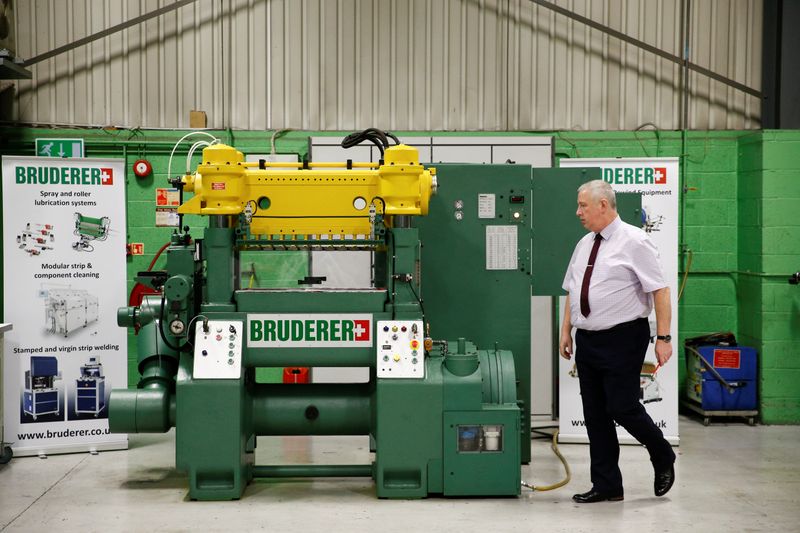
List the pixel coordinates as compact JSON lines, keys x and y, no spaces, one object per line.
{"x":591,"y":212}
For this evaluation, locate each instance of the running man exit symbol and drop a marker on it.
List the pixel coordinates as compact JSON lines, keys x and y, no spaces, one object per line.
{"x":59,"y":147}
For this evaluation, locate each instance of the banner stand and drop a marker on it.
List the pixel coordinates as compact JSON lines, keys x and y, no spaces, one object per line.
{"x":64,"y":276}
{"x":657,"y":180}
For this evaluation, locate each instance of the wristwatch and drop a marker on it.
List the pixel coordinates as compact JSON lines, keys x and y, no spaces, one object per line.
{"x":665,"y":338}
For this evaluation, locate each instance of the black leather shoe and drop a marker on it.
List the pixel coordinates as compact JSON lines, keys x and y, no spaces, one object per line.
{"x":664,"y":480}
{"x":597,"y":496}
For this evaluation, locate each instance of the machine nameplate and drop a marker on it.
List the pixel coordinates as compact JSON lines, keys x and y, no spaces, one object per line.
{"x":339,"y":330}
{"x":486,"y":206}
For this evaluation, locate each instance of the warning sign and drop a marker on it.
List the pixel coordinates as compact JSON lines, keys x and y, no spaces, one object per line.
{"x":727,"y":359}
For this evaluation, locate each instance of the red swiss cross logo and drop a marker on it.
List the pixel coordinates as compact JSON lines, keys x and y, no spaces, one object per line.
{"x":660,"y":175}
{"x":106,"y":176}
{"x":361,"y":330}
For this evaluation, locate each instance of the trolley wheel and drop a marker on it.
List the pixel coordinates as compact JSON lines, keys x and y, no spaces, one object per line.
{"x":706,"y":421}
{"x":6,"y":455}
{"x":34,"y":417}
{"x":751,"y":421}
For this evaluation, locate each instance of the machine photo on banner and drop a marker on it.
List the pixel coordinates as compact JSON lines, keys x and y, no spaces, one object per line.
{"x":657,"y":180}
{"x":64,"y":277}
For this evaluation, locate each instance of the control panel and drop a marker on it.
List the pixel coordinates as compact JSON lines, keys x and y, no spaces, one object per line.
{"x":218,"y":349}
{"x":401,"y":353}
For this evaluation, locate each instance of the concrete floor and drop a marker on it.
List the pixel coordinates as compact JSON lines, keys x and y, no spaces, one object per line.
{"x":730,"y":477}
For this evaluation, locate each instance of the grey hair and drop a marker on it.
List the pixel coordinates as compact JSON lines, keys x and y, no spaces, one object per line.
{"x":599,"y":189}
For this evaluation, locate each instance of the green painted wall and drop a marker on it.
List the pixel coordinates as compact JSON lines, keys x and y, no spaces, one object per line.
{"x":739,"y":239}
{"x":769,"y":237}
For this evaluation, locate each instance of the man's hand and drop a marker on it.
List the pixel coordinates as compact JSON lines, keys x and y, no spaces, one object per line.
{"x":663,"y":352}
{"x":565,"y":344}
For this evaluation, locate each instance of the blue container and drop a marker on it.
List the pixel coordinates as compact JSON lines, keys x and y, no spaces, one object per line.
{"x":737,"y":365}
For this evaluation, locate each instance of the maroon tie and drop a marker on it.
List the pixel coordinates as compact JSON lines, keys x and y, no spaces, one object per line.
{"x":587,"y":276}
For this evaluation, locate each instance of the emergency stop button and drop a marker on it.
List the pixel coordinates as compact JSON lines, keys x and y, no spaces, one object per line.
{"x":415,"y":344}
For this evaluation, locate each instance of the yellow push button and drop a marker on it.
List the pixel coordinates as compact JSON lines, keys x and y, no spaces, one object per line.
{"x":396,"y":358}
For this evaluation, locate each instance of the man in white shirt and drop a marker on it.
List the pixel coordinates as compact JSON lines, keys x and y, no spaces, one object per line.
{"x":614,"y":278}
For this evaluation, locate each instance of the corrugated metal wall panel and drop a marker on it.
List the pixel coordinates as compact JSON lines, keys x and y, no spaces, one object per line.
{"x":417,"y":64}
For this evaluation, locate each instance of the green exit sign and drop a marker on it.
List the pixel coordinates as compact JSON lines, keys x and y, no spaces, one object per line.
{"x":59,"y":147}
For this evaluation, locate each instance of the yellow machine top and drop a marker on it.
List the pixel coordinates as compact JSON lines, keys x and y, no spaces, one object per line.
{"x":309,"y":199}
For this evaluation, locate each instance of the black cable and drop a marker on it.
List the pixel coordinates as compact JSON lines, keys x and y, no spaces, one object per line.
{"x":375,"y":136}
{"x":358,"y":137}
{"x":394,"y":290}
{"x":409,"y":279}
{"x":255,"y":206}
{"x":421,"y":308}
{"x":378,"y":134}
{"x":383,"y":213}
{"x":537,"y":433}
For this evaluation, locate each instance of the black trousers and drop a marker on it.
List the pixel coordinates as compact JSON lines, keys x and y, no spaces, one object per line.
{"x":609,"y":363}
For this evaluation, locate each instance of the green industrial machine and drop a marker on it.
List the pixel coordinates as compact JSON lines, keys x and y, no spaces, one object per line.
{"x":444,"y":414}
{"x":444,"y":327}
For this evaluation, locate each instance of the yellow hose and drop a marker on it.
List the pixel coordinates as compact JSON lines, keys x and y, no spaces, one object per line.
{"x":554,"y":447}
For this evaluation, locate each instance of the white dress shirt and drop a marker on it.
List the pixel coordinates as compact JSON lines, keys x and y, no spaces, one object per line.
{"x":626,"y":271}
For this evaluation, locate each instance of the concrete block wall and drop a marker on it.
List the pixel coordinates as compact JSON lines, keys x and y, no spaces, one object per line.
{"x":769,"y":236}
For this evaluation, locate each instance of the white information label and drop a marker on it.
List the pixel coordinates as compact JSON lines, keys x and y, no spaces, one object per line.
{"x":501,"y":247}
{"x":167,"y":217}
{"x":486,"y":207}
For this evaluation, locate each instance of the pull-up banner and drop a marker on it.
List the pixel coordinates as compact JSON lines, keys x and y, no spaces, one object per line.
{"x":657,"y":180}
{"x":63,"y":281}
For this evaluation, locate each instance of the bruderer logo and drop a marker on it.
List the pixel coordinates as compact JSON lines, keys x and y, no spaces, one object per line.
{"x":309,"y":330}
{"x":64,"y":176}
{"x":636,"y":175}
